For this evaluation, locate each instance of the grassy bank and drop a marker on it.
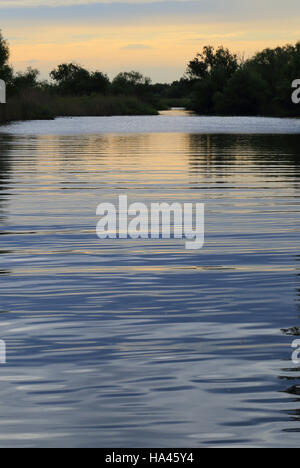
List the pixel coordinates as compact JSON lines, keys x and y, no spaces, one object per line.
{"x":36,"y":104}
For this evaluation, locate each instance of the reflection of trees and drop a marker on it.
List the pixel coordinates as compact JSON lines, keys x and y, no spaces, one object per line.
{"x":94,"y":155}
{"x":266,"y":162}
{"x":213,"y":157}
{"x":216,"y":154}
{"x":5,"y":168}
{"x":293,"y":377}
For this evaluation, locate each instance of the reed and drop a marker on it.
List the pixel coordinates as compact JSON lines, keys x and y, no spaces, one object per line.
{"x":39,"y":104}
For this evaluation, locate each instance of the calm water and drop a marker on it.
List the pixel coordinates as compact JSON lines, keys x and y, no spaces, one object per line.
{"x":142,"y":343}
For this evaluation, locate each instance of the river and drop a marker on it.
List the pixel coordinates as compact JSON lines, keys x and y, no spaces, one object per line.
{"x":141,"y":343}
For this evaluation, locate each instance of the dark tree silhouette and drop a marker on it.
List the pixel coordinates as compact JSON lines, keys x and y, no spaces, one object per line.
{"x":75,"y":80}
{"x":259,"y":86}
{"x":6,"y":71}
{"x":216,"y":82}
{"x":212,"y":61}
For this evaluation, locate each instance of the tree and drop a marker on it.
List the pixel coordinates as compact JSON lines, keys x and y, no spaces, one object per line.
{"x":203,"y":94}
{"x":4,"y":51}
{"x":246,"y":93}
{"x":74,"y":79}
{"x":210,"y":71}
{"x":278,"y":67}
{"x":131,"y":83}
{"x":28,"y":79}
{"x":261,"y":85}
{"x":210,"y":61}
{"x":71,"y":78}
{"x":99,"y":82}
{"x":5,"y":70}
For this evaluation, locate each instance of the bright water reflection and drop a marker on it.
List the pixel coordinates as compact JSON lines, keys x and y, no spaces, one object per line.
{"x":142,"y":343}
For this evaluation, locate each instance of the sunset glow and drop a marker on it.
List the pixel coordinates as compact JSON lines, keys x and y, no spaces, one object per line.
{"x":157,"y":38}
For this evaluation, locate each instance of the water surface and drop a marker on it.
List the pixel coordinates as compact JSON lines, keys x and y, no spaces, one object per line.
{"x":142,"y":343}
{"x":175,"y":121}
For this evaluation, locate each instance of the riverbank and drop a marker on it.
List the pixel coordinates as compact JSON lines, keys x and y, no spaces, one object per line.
{"x":38,"y":105}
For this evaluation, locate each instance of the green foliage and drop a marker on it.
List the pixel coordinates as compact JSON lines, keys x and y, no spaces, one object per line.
{"x":4,"y":51}
{"x":278,"y":68}
{"x":5,"y":70}
{"x":211,"y":62}
{"x":176,"y":94}
{"x":211,"y":70}
{"x":246,"y":93}
{"x":216,"y":82}
{"x":41,"y":104}
{"x":73,"y":79}
{"x":202,"y":100}
{"x":99,"y":82}
{"x":26,"y":80}
{"x":259,"y":86}
{"x":132,"y":83}
{"x":130,"y":80}
{"x":168,"y":103}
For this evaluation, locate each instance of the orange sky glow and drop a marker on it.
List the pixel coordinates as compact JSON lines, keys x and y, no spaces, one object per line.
{"x":159,"y":47}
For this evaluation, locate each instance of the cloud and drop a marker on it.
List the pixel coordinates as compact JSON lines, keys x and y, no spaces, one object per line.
{"x":111,"y":35}
{"x":136,"y":47}
{"x":58,"y":3}
{"x":126,"y":10}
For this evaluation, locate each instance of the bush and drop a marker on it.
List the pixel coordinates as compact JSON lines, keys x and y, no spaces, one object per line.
{"x":246,"y":93}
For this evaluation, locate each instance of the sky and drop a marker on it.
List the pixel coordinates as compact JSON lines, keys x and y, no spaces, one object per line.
{"x":157,"y":38}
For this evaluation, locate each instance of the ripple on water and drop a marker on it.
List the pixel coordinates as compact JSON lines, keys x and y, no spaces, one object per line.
{"x":142,"y":343}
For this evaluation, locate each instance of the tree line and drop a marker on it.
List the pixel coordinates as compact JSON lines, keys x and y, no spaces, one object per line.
{"x":225,"y":84}
{"x":216,"y":82}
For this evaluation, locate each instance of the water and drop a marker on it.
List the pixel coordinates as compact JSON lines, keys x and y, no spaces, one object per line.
{"x":141,"y":343}
{"x":176,"y":121}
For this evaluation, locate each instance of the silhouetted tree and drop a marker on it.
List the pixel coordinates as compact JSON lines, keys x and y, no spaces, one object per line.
{"x":74,"y":79}
{"x":260,"y":85}
{"x":4,"y":51}
{"x":246,"y":93}
{"x":211,"y":61}
{"x":70,"y":78}
{"x":278,"y":68}
{"x":25,"y":80}
{"x":6,"y":71}
{"x":210,"y":71}
{"x":133,"y":83}
{"x":99,"y":82}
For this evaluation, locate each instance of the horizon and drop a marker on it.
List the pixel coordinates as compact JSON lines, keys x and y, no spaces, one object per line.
{"x":157,"y":38}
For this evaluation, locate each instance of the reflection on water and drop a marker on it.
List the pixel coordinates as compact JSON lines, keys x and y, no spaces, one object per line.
{"x":4,"y":176}
{"x":4,"y":187}
{"x":142,"y":343}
